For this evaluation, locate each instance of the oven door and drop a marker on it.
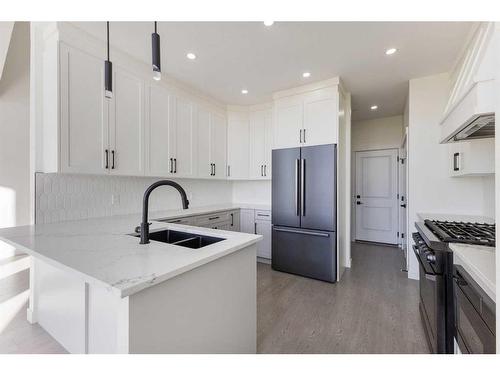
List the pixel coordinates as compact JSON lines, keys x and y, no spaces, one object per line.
{"x":474,"y":316}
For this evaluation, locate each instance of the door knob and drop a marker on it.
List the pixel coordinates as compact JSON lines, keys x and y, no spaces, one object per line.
{"x":403,"y":205}
{"x":358,"y":203}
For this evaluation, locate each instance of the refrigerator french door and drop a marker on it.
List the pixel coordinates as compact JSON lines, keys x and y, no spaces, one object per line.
{"x":304,"y":211}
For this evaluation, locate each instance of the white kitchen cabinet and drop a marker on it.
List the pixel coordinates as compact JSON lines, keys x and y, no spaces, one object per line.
{"x":320,"y":117}
{"x":181,"y":137}
{"x":306,"y":117}
{"x":288,"y":122}
{"x":472,"y":158}
{"x":126,"y":129}
{"x":238,"y":145}
{"x":247,"y":220}
{"x":157,"y":132}
{"x":264,"y":228}
{"x":260,"y":140}
{"x":212,"y":139}
{"x":84,"y":114}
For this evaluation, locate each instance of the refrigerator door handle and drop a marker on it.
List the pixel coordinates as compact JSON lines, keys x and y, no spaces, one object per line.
{"x":297,"y":204}
{"x":317,"y":234}
{"x":302,"y":187}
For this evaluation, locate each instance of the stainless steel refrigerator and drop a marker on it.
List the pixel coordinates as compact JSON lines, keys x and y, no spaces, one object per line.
{"x":304,"y":211}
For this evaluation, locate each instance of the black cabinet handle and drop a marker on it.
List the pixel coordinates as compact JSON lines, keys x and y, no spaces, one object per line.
{"x":255,"y":227}
{"x":112,"y":159}
{"x":300,"y":136}
{"x":232,"y":219}
{"x":175,"y":165}
{"x":304,"y":136}
{"x":171,"y":165}
{"x":261,"y":171}
{"x":228,"y":171}
{"x":456,"y":159}
{"x":215,"y":170}
{"x":214,"y":218}
{"x":265,"y":170}
{"x":106,"y":152}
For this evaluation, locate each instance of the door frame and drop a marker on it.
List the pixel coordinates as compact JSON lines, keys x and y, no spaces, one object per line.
{"x":403,"y":215}
{"x":353,"y":189}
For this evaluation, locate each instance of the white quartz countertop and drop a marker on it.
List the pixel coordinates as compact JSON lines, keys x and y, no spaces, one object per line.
{"x":479,"y":263}
{"x":100,"y":250}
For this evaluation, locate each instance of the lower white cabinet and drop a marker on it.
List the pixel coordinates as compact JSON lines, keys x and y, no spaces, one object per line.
{"x":472,"y":158}
{"x":263,"y":227}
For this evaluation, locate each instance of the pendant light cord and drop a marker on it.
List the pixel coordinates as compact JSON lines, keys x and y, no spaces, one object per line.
{"x":107,"y":33}
{"x":155,"y":28}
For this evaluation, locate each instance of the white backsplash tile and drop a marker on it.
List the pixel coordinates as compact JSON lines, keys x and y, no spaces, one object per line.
{"x":61,"y":197}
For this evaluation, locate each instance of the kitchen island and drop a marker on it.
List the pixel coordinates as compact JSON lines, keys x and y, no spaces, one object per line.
{"x":95,"y":289}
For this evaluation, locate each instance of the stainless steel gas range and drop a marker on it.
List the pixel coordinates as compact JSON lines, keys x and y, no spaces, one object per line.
{"x":438,"y":277}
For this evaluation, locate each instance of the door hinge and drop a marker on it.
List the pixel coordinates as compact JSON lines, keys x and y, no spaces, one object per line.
{"x":398,"y":234}
{"x":397,"y":196}
{"x":398,"y":159}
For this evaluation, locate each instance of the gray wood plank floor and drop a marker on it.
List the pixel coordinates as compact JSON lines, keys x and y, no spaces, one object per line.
{"x":374,"y":309}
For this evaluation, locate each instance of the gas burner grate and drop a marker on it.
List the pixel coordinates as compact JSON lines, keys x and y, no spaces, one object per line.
{"x":468,"y":233}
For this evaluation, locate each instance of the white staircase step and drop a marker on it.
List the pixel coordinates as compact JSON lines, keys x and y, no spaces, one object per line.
{"x":14,"y":264}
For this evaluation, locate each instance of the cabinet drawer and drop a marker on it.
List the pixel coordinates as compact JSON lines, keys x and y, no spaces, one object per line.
{"x":208,"y":220}
{"x":263,"y":215}
{"x":179,"y":220}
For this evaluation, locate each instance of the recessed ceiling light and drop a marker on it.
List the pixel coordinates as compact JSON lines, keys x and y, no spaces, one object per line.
{"x":244,"y":91}
{"x":374,"y":107}
{"x":191,"y":56}
{"x":391,"y":51}
{"x":268,"y":23}
{"x":306,"y":74}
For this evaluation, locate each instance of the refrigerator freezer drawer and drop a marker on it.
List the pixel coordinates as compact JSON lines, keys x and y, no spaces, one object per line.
{"x":305,"y":252}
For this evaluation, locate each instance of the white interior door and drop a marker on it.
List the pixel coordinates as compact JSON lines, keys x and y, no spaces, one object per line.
{"x":403,"y":198}
{"x":376,"y":196}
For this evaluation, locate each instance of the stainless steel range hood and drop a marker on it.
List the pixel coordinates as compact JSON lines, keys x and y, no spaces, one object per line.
{"x":473,"y":117}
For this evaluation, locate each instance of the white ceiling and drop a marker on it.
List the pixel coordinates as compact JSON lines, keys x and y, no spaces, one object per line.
{"x":236,"y":55}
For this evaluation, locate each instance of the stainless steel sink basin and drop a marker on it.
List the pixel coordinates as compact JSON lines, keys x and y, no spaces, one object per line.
{"x":190,"y":240}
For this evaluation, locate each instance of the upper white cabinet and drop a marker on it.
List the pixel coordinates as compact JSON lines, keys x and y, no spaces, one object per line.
{"x":321,"y":108}
{"x":157,"y":132}
{"x":126,"y":124}
{"x":260,"y":140}
{"x":472,"y":158}
{"x":211,"y":138}
{"x":84,"y":127}
{"x":238,"y":145}
{"x":182,"y":141}
{"x":307,"y":116}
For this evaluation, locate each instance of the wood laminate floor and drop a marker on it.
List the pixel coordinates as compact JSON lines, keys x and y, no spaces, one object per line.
{"x":374,"y":309}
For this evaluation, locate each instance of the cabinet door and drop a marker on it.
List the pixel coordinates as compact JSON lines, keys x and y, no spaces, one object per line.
{"x":321,"y":117}
{"x":84,"y":126}
{"x":203,"y":124}
{"x":288,"y":122}
{"x":268,"y":143}
{"x":127,"y":124}
{"x":182,"y":137}
{"x":247,"y":220}
{"x":238,"y":146}
{"x":218,"y":144}
{"x":264,"y":247}
{"x":157,"y":137}
{"x":258,"y":141}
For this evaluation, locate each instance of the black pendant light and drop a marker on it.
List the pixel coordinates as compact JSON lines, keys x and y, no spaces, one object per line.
{"x":108,"y":69}
{"x":155,"y":43}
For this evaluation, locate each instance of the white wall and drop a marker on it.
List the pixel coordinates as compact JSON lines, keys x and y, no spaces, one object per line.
{"x":61,"y":197}
{"x":430,"y":188}
{"x":14,"y":131}
{"x":376,"y":134}
{"x":256,"y":192}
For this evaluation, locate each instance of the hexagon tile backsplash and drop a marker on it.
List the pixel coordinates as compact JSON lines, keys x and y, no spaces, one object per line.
{"x":61,"y":197}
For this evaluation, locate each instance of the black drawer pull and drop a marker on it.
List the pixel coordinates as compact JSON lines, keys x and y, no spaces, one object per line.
{"x":214,"y":218}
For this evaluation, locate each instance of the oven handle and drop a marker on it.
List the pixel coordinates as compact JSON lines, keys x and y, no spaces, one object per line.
{"x":428,"y":275}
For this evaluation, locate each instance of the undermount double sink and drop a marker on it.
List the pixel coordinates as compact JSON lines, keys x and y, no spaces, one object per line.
{"x":184,"y":239}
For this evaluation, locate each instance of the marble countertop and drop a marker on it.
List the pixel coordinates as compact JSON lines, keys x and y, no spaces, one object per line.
{"x":101,"y":250}
{"x":479,"y":263}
